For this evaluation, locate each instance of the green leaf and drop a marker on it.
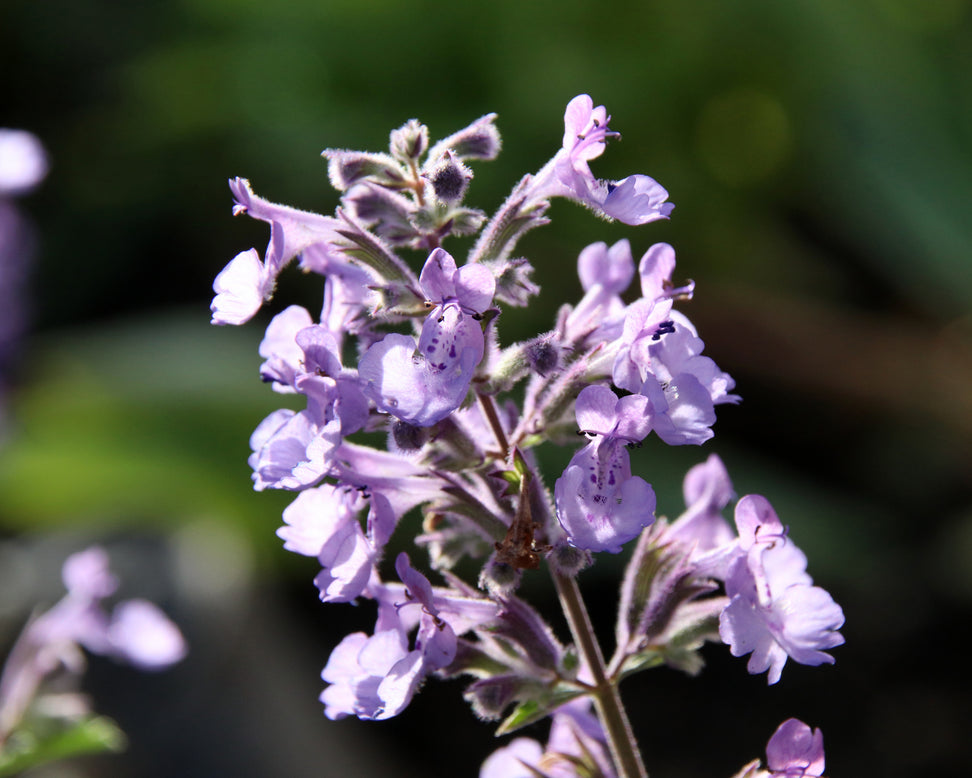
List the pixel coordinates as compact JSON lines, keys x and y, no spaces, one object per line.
{"x":94,"y":735}
{"x":531,"y":711}
{"x":511,"y":477}
{"x":139,"y":422}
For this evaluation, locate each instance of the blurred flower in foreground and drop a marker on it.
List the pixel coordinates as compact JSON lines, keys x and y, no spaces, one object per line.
{"x":23,"y":163}
{"x":33,"y":718}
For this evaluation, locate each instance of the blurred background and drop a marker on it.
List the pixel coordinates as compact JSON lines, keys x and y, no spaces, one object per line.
{"x":820,"y":156}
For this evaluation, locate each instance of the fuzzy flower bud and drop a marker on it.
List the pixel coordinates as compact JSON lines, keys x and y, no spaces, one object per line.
{"x":498,"y":578}
{"x":409,"y":141}
{"x":569,"y":560}
{"x":407,"y":437}
{"x":449,"y":178}
{"x":543,"y":355}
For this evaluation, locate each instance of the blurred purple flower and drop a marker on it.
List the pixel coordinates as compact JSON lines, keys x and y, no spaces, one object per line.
{"x":23,"y":164}
{"x":136,"y":632}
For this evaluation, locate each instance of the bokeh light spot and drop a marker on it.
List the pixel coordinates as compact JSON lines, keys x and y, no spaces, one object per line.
{"x":743,"y":136}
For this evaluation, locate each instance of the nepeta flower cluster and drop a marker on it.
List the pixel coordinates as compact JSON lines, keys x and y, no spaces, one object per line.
{"x":414,"y":353}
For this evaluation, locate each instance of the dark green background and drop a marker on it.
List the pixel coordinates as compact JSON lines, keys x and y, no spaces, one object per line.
{"x":819,"y":155}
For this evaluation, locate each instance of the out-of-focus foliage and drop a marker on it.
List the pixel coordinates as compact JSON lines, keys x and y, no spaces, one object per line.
{"x":145,"y":420}
{"x":92,"y":735}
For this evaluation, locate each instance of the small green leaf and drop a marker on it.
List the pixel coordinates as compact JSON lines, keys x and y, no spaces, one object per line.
{"x":511,"y":477}
{"x":532,"y":711}
{"x":26,"y":749}
{"x":520,"y":465}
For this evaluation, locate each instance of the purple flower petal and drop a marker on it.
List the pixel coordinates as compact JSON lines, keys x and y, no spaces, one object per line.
{"x":637,"y":200}
{"x":284,"y":357}
{"x":23,"y":162}
{"x":610,"y":268}
{"x":86,"y":575}
{"x":347,"y":560}
{"x":241,"y":287}
{"x":142,"y":634}
{"x":795,"y":751}
{"x":514,"y":760}
{"x":311,"y":519}
{"x":424,"y":386}
{"x":774,"y":611}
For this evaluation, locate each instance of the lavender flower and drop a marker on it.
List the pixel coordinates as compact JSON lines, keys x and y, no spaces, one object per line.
{"x":636,"y":199}
{"x":659,"y":356}
{"x":323,"y":523}
{"x":707,"y":490}
{"x":520,"y":758}
{"x":794,"y":751}
{"x":600,"y":504}
{"x":375,"y":677}
{"x":293,"y":450}
{"x":774,"y":611}
{"x":246,"y":282}
{"x":23,"y":162}
{"x":80,"y":619}
{"x":425,"y":383}
{"x":605,"y":273}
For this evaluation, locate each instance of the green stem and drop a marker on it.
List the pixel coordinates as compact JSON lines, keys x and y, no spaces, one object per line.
{"x":607,"y":700}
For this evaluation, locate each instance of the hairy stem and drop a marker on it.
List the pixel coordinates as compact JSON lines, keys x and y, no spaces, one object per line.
{"x":492,"y":416}
{"x":607,"y":700}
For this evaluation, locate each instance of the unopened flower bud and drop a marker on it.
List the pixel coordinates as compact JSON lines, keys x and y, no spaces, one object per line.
{"x":409,"y":141}
{"x":480,"y":140}
{"x":407,"y":437}
{"x":499,"y":578}
{"x":346,"y":168}
{"x":449,"y":178}
{"x":543,"y":356}
{"x":491,"y":696}
{"x":386,"y":212}
{"x":568,"y":560}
